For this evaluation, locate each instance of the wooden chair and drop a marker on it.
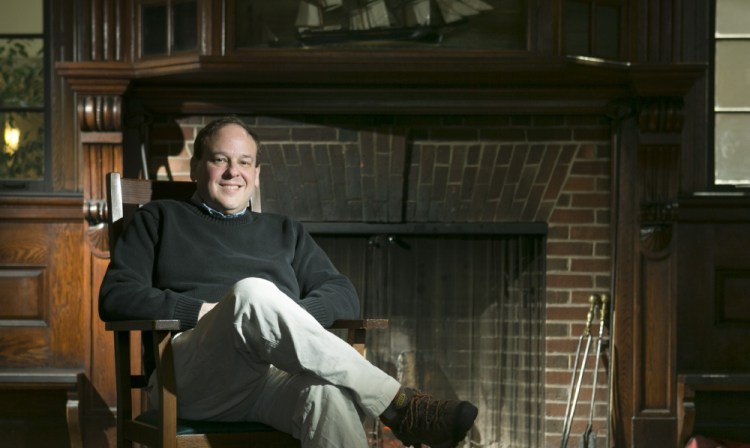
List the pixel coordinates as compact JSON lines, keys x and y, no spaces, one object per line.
{"x":160,"y":427}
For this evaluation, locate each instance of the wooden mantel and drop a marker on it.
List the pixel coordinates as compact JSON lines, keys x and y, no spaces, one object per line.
{"x":434,"y":82}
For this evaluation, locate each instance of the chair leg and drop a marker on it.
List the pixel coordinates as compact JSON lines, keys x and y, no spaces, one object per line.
{"x":73,"y":420}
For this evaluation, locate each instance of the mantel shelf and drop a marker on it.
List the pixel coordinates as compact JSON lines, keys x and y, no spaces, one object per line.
{"x":325,"y":81}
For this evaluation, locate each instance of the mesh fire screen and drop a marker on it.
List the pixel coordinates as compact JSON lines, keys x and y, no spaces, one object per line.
{"x":466,"y":321}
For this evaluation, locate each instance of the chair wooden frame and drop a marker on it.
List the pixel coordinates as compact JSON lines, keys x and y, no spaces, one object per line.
{"x":163,"y":429}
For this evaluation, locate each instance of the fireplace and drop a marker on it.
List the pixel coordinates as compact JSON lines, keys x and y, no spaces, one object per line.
{"x":479,"y":237}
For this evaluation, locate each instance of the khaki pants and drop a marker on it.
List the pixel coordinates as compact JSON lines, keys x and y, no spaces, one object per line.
{"x":258,"y":356}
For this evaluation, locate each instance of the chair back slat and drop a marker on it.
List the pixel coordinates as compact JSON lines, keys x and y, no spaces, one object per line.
{"x":124,"y":196}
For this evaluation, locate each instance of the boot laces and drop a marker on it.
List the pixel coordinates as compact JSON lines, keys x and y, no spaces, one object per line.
{"x":424,"y":413}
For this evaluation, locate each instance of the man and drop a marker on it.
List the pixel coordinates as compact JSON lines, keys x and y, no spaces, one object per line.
{"x":253,"y":293}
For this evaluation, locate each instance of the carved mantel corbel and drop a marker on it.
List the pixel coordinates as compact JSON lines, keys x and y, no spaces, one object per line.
{"x":660,"y":122}
{"x":99,"y":100}
{"x":100,"y":125}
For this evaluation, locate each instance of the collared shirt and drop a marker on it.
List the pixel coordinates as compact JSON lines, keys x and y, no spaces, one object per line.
{"x":196,"y":199}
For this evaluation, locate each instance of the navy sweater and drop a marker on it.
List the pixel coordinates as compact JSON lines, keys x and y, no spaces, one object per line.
{"x":174,"y":256}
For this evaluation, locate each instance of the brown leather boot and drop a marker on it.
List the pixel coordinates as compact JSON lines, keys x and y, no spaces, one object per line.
{"x":415,"y":418}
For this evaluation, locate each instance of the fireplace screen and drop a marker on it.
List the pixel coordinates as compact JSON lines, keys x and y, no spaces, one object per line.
{"x":466,"y":321}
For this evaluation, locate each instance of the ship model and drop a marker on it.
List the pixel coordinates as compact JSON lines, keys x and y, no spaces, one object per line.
{"x":321,"y":22}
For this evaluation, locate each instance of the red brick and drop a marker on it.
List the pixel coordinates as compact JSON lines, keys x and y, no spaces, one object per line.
{"x":603,"y":249}
{"x":565,"y":248}
{"x":558,"y":232}
{"x":593,"y":168}
{"x":569,"y":281}
{"x":582,"y":297}
{"x":560,"y":377}
{"x":572,"y":216}
{"x":557,"y":264}
{"x":590,"y":200}
{"x":580,"y":183}
{"x":587,"y":151}
{"x":558,"y":297}
{"x":603,"y":282}
{"x":590,"y":265}
{"x":561,"y":346}
{"x":566,"y":313}
{"x":589,"y":233}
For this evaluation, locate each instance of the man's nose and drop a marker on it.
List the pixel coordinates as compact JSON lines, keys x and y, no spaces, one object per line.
{"x":232,"y":169}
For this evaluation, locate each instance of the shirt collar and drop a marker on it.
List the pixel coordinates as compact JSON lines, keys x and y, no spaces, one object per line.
{"x":196,"y":199}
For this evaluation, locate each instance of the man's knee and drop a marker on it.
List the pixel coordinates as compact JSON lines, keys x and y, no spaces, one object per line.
{"x":251,"y":286}
{"x":258,"y":294}
{"x":254,"y":289}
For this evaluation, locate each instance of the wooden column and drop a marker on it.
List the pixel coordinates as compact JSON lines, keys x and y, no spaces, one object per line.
{"x":101,"y":136}
{"x":97,"y":66}
{"x":645,"y":307}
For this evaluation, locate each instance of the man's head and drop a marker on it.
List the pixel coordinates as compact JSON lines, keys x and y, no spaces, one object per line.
{"x":225,"y":164}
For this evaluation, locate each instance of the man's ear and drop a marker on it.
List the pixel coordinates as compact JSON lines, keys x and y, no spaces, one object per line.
{"x":257,"y":176}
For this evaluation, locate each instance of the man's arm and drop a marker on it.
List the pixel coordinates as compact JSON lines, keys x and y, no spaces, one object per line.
{"x":325,"y":293}
{"x":127,"y":293}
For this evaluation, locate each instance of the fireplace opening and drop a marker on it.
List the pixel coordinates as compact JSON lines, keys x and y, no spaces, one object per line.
{"x":466,"y":314}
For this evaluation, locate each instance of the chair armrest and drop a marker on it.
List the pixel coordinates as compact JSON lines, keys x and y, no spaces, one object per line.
{"x":143,"y":325}
{"x":360,"y":324}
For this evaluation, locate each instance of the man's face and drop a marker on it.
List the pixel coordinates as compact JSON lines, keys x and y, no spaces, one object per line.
{"x":227,"y":173}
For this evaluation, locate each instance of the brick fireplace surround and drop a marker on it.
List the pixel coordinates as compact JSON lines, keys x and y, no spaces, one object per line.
{"x":553,"y":169}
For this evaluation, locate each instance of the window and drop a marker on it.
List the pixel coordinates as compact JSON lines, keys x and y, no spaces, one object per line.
{"x":168,"y":27}
{"x":24,"y":159}
{"x":592,"y":28}
{"x":732,"y":93}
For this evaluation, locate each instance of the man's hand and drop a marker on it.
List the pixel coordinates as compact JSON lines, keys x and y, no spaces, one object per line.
{"x":205,"y":308}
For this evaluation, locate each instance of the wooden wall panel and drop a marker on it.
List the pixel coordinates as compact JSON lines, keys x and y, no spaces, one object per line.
{"x":24,"y":290}
{"x":40,"y":302}
{"x":714,"y":297}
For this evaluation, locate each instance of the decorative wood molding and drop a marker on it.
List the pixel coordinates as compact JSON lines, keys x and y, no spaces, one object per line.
{"x":401,"y":82}
{"x":659,"y":169}
{"x":100,"y":113}
{"x":41,"y":208}
{"x":100,"y":121}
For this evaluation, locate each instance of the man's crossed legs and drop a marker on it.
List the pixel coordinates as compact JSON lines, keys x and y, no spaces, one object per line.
{"x":258,"y":356}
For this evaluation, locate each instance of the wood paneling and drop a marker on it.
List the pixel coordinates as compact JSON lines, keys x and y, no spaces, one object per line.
{"x":714,"y":305}
{"x":24,"y":298}
{"x":42,"y":344}
{"x":41,"y":275}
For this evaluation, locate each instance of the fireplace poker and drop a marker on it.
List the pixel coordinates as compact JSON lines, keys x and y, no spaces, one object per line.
{"x":575,"y":387}
{"x":588,"y":440}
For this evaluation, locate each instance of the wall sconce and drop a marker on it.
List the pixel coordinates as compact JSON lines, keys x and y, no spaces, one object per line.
{"x":12,"y":137}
